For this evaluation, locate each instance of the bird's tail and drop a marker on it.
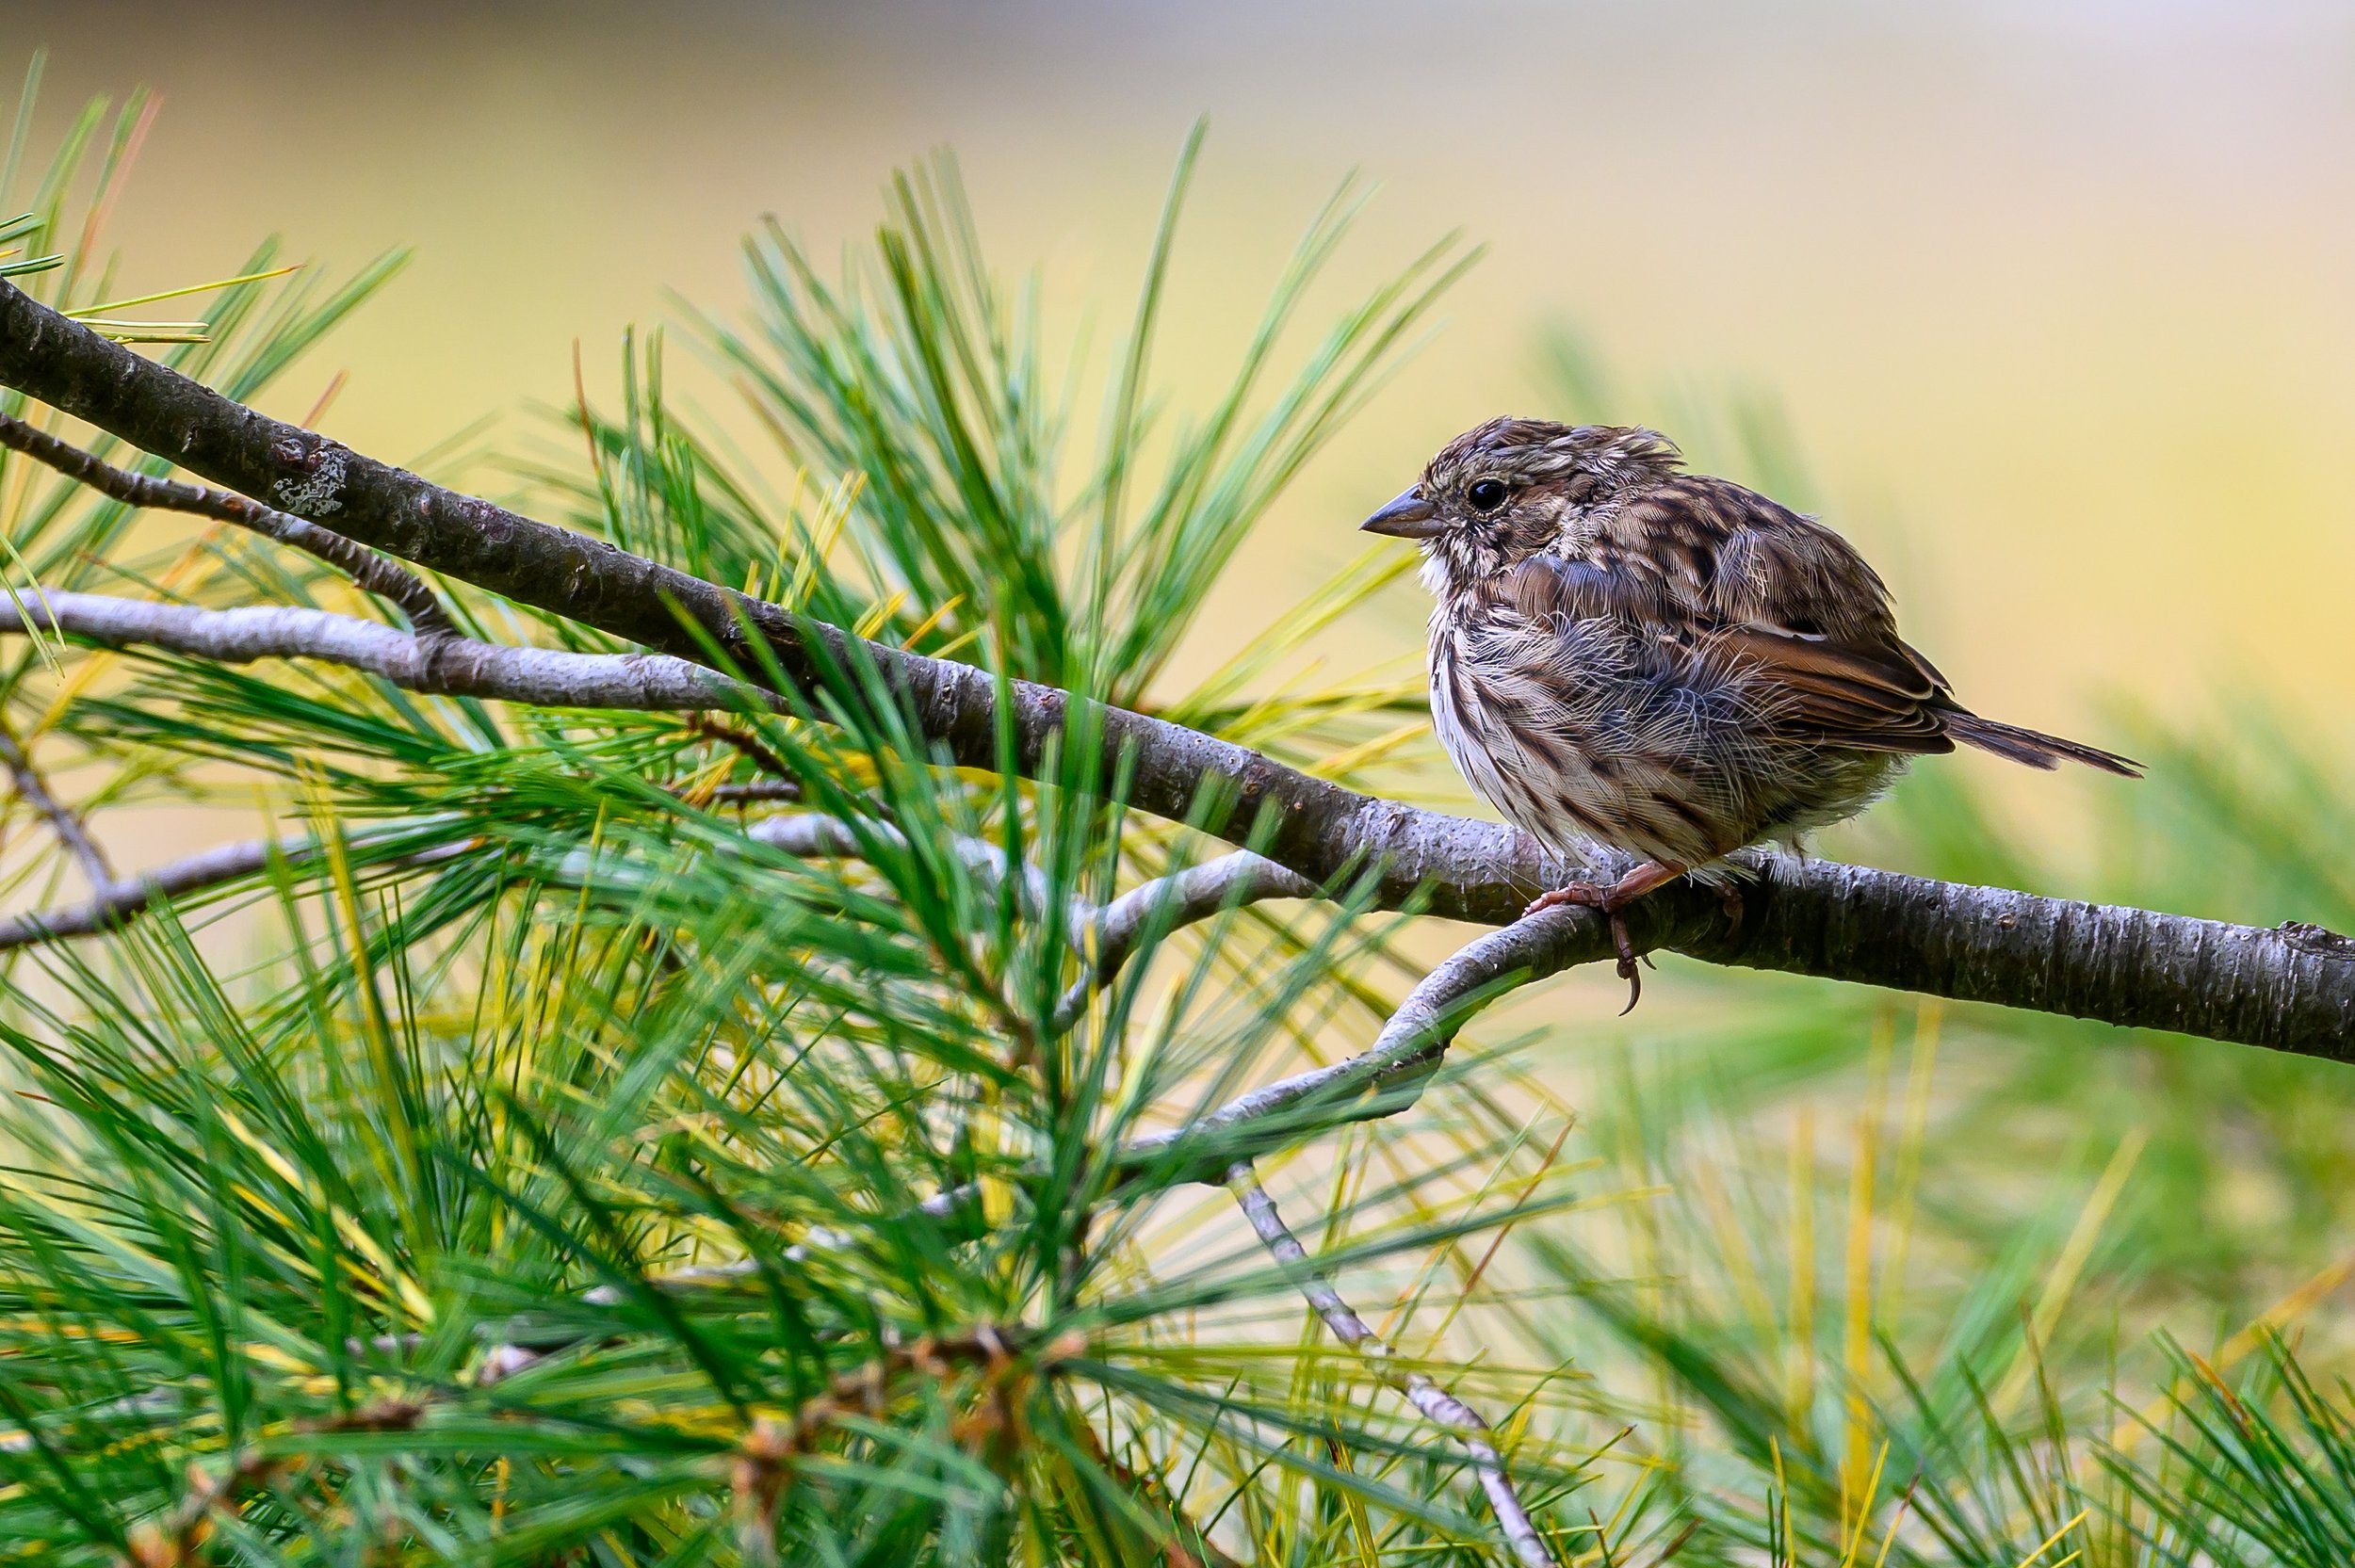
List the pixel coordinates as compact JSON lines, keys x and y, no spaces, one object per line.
{"x":2033,"y":747}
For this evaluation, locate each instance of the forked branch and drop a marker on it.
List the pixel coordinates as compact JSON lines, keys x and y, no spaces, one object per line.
{"x":377,"y":575}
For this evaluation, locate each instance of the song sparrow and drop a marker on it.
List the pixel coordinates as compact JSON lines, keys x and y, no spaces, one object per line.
{"x":1662,"y":662}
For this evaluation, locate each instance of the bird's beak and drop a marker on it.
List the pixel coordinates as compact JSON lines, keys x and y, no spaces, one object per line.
{"x":1405,"y":516}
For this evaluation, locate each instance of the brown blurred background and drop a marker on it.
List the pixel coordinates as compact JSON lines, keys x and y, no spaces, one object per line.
{"x":2056,"y":296}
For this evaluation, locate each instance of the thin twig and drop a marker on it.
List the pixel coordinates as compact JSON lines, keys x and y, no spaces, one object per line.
{"x":120,"y":898}
{"x":1151,"y":909}
{"x":35,"y":792}
{"x":1436,"y":1405}
{"x":813,"y":836}
{"x":750,"y":746}
{"x":759,"y":791}
{"x":378,"y":573}
{"x":1160,"y":906}
{"x":548,"y":677}
{"x":1388,"y":1077}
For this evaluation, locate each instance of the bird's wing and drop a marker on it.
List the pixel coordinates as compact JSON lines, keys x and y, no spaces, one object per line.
{"x":1744,"y":582}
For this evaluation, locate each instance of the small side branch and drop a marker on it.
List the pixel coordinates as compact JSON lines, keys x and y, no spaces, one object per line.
{"x":378,"y":573}
{"x":1436,"y":1405}
{"x":34,"y":791}
{"x":120,"y":898}
{"x":812,"y":836}
{"x":1185,"y":896}
{"x":1388,"y":1077}
{"x":759,"y":792}
{"x":751,"y":748}
{"x":546,"y":677}
{"x":1165,"y":903}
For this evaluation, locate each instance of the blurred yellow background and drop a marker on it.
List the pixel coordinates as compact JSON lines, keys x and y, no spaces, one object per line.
{"x":2056,"y":296}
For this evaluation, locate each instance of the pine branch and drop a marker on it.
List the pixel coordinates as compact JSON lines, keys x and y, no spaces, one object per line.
{"x":2292,"y":988}
{"x":456,"y":666}
{"x":35,"y":792}
{"x":1438,"y":1406}
{"x":122,"y":899}
{"x":1160,"y":906}
{"x":759,"y":1463}
{"x":375,"y":573}
{"x":1389,"y":1076}
{"x":181,"y":1537}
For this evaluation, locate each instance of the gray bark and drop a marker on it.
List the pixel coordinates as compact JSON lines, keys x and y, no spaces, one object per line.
{"x":369,"y":569}
{"x":121,"y":897}
{"x":545,"y":677}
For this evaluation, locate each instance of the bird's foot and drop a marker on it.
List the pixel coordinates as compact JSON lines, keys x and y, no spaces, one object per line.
{"x":1585,"y":894}
{"x":1610,"y":901}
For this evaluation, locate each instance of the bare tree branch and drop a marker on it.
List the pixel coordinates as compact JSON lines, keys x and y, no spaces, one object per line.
{"x":120,"y":899}
{"x":805,"y":835}
{"x":811,"y":836}
{"x":1438,"y":1406}
{"x":548,"y":677}
{"x":1165,"y":903}
{"x":2292,"y":988}
{"x":35,"y":792}
{"x":1389,"y":1076}
{"x":1185,"y":896}
{"x":759,"y":792}
{"x":377,"y":573}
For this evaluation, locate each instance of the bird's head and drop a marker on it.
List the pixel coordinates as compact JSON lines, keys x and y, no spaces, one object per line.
{"x":1496,"y":496}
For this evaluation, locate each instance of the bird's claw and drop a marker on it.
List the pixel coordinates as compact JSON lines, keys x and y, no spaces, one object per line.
{"x":1730,"y":900}
{"x":1585,"y":894}
{"x":1630,"y":970}
{"x":1589,"y":895}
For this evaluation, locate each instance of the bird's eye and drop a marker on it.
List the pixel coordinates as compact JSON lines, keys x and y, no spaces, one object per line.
{"x":1486,"y":494}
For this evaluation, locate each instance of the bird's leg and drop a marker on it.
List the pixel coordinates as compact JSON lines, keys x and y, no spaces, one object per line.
{"x":1611,"y":900}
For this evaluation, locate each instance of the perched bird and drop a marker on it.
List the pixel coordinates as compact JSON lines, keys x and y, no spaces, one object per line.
{"x":1664,"y":663}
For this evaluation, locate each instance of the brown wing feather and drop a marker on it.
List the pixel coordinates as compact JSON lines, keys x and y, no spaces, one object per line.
{"x":1844,"y":696}
{"x":1792,"y":603}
